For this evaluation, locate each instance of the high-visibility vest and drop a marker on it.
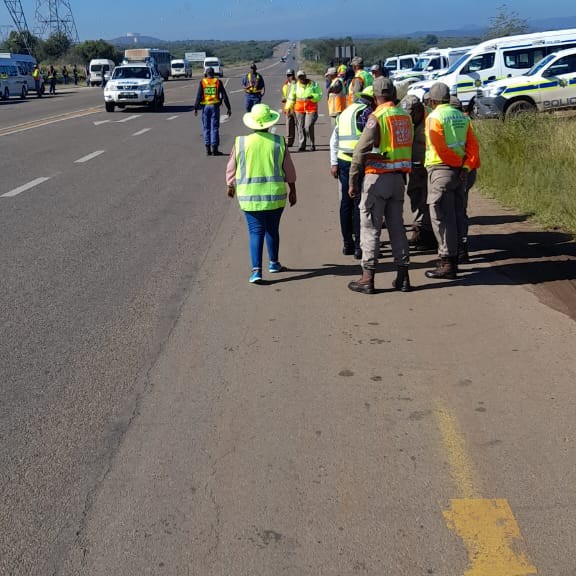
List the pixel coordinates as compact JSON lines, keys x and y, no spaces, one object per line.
{"x":211,"y":90}
{"x":36,"y":74}
{"x":253,"y":80}
{"x":455,"y":125}
{"x":365,"y":79}
{"x":286,"y":89}
{"x":337,"y":102}
{"x":260,"y":177}
{"x":396,"y":134}
{"x":300,"y":94}
{"x":348,"y":133}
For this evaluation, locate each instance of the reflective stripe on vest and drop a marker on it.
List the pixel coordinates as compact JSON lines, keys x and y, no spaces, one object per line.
{"x":211,"y":88}
{"x":396,"y":135}
{"x":348,"y":133}
{"x":260,"y":178}
{"x":455,"y":126}
{"x":337,"y":102}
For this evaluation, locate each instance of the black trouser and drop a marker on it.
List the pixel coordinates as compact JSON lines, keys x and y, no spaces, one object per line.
{"x":349,"y":208}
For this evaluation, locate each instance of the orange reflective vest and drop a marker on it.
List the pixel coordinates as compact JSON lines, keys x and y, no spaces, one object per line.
{"x":337,"y":102}
{"x":394,"y":153}
{"x":361,"y":80}
{"x":304,"y":98}
{"x":211,"y":91}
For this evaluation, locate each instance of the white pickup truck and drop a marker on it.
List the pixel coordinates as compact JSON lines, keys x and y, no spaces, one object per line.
{"x":134,"y":84}
{"x":549,"y":86}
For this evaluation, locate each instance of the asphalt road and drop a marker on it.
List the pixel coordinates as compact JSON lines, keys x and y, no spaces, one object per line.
{"x":158,"y":415}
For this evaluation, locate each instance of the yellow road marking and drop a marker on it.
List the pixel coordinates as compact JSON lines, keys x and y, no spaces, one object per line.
{"x":48,"y":120}
{"x":491,"y":536}
{"x":488,"y":528}
{"x":461,"y":466}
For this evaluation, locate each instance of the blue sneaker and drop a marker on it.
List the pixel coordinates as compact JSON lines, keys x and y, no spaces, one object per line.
{"x":256,"y":277}
{"x":275,"y":267}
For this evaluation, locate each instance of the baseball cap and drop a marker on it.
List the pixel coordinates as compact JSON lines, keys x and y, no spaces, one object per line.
{"x":289,"y":72}
{"x":253,"y":66}
{"x":300,"y":73}
{"x":375,"y":68}
{"x":383,"y":86}
{"x":331,"y":72}
{"x":357,"y":61}
{"x":439,"y":92}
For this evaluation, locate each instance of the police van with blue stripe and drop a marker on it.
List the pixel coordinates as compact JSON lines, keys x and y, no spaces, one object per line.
{"x":548,"y":86}
{"x":495,"y":60}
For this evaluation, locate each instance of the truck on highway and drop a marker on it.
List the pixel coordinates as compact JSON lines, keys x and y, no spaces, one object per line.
{"x":549,"y":86}
{"x":497,"y":59}
{"x":162,"y":58}
{"x":180,"y":68}
{"x":214,"y":63}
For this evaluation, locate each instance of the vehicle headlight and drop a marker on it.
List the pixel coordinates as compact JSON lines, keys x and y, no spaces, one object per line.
{"x":493,"y":92}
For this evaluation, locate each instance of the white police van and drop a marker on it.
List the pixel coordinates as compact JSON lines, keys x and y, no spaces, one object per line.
{"x":495,"y":60}
{"x":12,"y":82}
{"x":549,"y":86}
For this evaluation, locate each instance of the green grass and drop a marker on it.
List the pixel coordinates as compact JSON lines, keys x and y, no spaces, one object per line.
{"x":529,"y":163}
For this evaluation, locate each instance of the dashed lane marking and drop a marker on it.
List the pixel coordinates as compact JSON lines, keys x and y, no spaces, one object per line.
{"x":172,"y":118}
{"x":98,"y":122}
{"x":140,"y":132}
{"x":487,"y":527}
{"x":25,"y":187}
{"x":89,"y":157}
{"x":128,"y":118}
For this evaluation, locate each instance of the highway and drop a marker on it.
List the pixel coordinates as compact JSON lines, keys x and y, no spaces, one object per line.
{"x":160,"y":416}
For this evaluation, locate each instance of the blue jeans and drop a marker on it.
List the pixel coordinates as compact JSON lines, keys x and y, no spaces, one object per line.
{"x":211,"y":124}
{"x":349,"y":209}
{"x":252,"y":99}
{"x":264,"y":224}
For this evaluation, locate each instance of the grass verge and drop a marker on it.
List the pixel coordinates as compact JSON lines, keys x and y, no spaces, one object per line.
{"x":529,"y":163}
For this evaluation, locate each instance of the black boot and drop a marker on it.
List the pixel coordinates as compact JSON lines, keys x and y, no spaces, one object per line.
{"x":208,"y":150}
{"x":215,"y":151}
{"x":365,"y":285}
{"x":414,"y":240}
{"x":446,"y":269}
{"x":463,"y":256}
{"x":402,"y":281}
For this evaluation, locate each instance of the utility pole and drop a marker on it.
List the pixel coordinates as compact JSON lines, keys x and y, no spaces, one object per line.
{"x":17,"y":14}
{"x":55,"y":16}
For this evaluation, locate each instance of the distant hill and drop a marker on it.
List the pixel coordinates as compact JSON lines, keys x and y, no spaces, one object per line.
{"x":144,"y":41}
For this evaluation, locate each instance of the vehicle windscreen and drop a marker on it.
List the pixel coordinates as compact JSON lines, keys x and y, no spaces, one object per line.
{"x":456,"y":65}
{"x":544,"y":62}
{"x":131,"y":72}
{"x":214,"y":62}
{"x":96,"y":68}
{"x":177,"y":65}
{"x":421,"y":65}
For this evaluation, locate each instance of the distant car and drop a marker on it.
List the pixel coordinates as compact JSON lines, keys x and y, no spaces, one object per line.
{"x":134,"y":84}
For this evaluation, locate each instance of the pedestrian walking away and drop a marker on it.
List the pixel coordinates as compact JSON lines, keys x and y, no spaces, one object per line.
{"x":287,"y":87}
{"x":452,"y":152}
{"x":258,"y":170}
{"x":304,"y":100}
{"x":254,"y":87}
{"x":422,"y":238}
{"x":336,"y":94}
{"x":211,"y":93}
{"x":388,"y":131}
{"x":349,"y":127}
{"x":52,"y":79}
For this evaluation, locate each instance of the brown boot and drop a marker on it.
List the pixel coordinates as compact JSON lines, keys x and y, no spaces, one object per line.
{"x":364,"y":284}
{"x":445,"y":269}
{"x":402,"y":281}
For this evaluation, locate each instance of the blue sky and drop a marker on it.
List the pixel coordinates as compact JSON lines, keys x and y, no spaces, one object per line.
{"x":270,"y":19}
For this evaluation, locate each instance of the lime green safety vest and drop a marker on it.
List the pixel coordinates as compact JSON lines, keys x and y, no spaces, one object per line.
{"x":366,"y":78}
{"x":455,"y":125}
{"x":348,"y":133}
{"x":260,"y":182}
{"x":396,"y":136}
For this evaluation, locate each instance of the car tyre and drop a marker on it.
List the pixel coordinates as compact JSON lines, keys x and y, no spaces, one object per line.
{"x":520,"y":107}
{"x":109,"y":106}
{"x":24,"y":93}
{"x":6,"y":94}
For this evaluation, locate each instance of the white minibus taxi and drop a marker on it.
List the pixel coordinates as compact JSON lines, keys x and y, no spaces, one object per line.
{"x":496,"y":59}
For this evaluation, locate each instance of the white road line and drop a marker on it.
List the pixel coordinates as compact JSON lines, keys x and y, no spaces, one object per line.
{"x":25,"y":187}
{"x":172,"y":118}
{"x":140,"y":132}
{"x":236,"y":91}
{"x":89,"y":157}
{"x":98,"y":122}
{"x":128,"y":119}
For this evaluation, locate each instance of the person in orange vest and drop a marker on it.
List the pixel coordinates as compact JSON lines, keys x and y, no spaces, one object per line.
{"x":304,"y":99}
{"x":384,"y":153}
{"x":290,"y":117}
{"x":254,"y":87}
{"x":211,"y":93}
{"x":361,"y":80}
{"x":336,"y":94}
